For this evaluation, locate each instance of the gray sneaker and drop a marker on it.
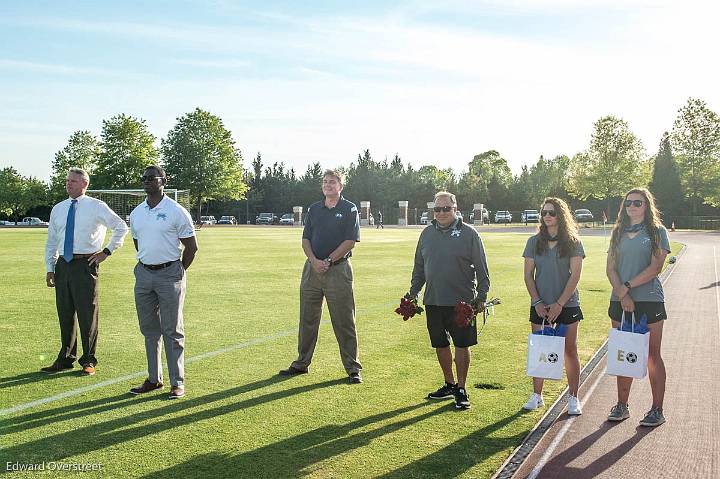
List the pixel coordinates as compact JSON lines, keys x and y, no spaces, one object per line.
{"x":653,"y":418}
{"x":619,"y":412}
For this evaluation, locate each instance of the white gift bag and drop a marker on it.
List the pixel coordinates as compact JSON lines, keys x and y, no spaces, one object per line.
{"x":627,"y":353}
{"x":546,"y":356}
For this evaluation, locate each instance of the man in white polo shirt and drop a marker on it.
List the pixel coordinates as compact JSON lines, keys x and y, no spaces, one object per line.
{"x":160,"y":228}
{"x":73,"y":254}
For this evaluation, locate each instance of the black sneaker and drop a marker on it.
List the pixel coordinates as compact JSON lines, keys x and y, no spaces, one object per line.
{"x":447,"y":391}
{"x":461,"y":399}
{"x":355,"y":378}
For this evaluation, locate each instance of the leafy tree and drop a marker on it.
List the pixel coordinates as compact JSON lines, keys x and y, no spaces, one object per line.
{"x":665,"y":184}
{"x":611,"y":165}
{"x":487,"y":180}
{"x":81,"y":151}
{"x":126,"y":150}
{"x":696,"y":140}
{"x":20,"y":193}
{"x":199,"y":155}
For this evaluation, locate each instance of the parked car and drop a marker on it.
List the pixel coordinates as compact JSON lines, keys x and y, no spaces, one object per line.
{"x":460,"y":215}
{"x":32,"y":221}
{"x":208,"y":220}
{"x":424,"y":218}
{"x":227,"y":220}
{"x":6,"y":223}
{"x":266,"y":219}
{"x":485,"y":216}
{"x":583,"y":215}
{"x":530,"y":216}
{"x":287,"y":219}
{"x":503,"y":216}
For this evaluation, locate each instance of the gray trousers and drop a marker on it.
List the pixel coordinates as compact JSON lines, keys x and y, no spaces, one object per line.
{"x":336,"y":286}
{"x":159,"y":298}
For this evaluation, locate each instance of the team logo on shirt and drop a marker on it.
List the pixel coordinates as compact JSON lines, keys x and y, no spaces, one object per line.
{"x":161,"y":216}
{"x":338,"y":215}
{"x":455,"y":233}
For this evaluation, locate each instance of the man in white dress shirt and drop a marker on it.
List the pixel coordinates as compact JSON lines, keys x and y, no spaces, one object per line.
{"x":73,"y":253}
{"x":160,"y":228}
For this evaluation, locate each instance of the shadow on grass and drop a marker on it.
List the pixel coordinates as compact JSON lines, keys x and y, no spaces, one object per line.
{"x":293,"y":456}
{"x":463,"y":454}
{"x":127,"y":428}
{"x":64,"y":413}
{"x":34,"y":377}
{"x":558,"y":465}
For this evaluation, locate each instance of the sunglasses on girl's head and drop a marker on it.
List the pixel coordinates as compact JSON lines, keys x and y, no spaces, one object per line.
{"x":552,"y":213}
{"x":444,"y":209}
{"x":635,"y":203}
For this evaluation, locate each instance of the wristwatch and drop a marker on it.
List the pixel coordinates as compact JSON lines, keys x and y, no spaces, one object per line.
{"x":107,"y":251}
{"x":627,"y":284}
{"x":328,"y":261}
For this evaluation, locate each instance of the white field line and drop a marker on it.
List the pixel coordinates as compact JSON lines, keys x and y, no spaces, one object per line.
{"x":109,"y":382}
{"x":566,"y":427}
{"x":139,"y":374}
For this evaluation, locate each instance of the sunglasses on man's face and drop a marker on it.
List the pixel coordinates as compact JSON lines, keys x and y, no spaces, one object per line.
{"x":635,"y":203}
{"x":548,"y":212}
{"x":145,"y":178}
{"x":444,"y":209}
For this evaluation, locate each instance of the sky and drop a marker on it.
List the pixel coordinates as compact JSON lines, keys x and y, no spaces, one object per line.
{"x":434,"y":82}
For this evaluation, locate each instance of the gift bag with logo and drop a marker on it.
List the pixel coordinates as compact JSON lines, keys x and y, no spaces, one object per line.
{"x":546,"y":355}
{"x":627,"y":353}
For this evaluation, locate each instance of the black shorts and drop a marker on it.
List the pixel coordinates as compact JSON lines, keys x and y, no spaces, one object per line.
{"x":654,"y":311}
{"x":569,"y":315}
{"x":441,"y":326}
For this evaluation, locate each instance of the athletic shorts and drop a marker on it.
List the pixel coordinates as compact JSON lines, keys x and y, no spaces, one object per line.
{"x":569,"y":315}
{"x":654,"y":311}
{"x":441,"y":326}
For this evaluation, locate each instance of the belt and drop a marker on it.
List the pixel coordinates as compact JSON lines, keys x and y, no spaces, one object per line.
{"x":82,"y":255}
{"x":155,"y":267}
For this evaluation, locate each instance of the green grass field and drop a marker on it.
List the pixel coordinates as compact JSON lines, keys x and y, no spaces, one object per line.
{"x":241,"y":420}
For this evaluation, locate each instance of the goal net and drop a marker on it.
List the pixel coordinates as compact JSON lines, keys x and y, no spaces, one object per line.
{"x":123,"y":202}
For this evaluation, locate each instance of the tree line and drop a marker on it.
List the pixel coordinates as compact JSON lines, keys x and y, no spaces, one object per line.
{"x":201,"y":155}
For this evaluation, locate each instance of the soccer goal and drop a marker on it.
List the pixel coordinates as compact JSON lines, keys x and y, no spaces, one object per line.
{"x":123,"y":202}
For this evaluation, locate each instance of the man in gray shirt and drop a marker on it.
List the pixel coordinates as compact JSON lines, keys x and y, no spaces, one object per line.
{"x":450,"y":262}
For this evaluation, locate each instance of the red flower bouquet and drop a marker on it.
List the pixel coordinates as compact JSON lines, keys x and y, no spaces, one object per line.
{"x":464,"y":314}
{"x":408,"y":308}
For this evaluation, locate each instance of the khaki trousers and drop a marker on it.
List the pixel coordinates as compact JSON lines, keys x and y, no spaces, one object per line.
{"x":335,"y":286}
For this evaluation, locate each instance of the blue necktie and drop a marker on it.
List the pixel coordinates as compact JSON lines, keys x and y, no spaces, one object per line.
{"x":69,"y":233}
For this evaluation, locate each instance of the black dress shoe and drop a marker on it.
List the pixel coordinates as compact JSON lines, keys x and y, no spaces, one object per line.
{"x":355,"y":378}
{"x":292,"y":371}
{"x":56,"y":367}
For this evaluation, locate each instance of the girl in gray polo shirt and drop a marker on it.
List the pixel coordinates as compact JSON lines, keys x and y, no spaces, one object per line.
{"x":638,"y":247}
{"x":553,"y":263}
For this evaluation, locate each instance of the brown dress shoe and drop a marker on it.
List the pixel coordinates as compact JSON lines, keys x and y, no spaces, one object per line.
{"x":89,"y":369}
{"x":177,"y":392}
{"x":56,"y":367}
{"x":146,"y":387}
{"x":292,"y":371}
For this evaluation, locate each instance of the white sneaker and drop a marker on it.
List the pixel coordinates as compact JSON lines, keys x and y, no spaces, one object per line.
{"x":535,"y":401}
{"x":574,"y":408}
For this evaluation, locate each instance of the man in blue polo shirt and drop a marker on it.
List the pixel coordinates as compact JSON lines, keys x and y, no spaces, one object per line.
{"x":332,"y":228}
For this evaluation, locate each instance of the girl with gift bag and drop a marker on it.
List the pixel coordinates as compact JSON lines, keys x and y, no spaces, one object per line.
{"x":553,"y":263}
{"x":638,"y":247}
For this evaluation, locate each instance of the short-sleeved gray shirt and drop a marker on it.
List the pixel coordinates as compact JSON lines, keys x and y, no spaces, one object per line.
{"x":552,"y":272}
{"x":633,"y":256}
